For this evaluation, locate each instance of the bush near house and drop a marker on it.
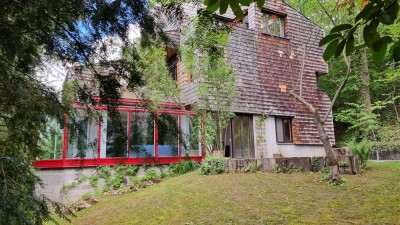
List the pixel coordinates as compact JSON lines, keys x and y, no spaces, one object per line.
{"x":212,"y":165}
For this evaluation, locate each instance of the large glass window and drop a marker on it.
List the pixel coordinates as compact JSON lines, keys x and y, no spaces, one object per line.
{"x":283,"y":129}
{"x":82,"y":136}
{"x":190,"y":136}
{"x":114,"y":135}
{"x":273,"y":24}
{"x":141,"y":135}
{"x":242,"y":136}
{"x":167,"y":135}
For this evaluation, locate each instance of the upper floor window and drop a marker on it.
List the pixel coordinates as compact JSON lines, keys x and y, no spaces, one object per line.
{"x":283,"y":129}
{"x":173,"y":71}
{"x":273,"y":24}
{"x":172,"y":63}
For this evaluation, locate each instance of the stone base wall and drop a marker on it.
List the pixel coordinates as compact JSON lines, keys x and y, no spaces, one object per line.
{"x":55,"y":179}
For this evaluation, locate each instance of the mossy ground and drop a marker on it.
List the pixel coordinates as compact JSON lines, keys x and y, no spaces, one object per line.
{"x":260,"y":198}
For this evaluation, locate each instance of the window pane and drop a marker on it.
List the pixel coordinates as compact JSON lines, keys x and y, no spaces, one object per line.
{"x":82,"y":136}
{"x":236,"y":123}
{"x":271,"y":21}
{"x":286,"y":130}
{"x":280,"y":27}
{"x":190,"y":136}
{"x":167,"y":135}
{"x":263,"y":23}
{"x":279,"y":130}
{"x":245,"y":136}
{"x":114,"y":132}
{"x":142,"y":135}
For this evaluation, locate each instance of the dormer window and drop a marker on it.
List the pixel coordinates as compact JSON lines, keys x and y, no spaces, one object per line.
{"x":273,"y":24}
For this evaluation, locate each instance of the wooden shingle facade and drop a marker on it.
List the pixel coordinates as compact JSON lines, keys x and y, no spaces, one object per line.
{"x":267,"y":68}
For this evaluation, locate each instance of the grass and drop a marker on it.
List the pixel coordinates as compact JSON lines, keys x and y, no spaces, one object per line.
{"x":260,"y":198}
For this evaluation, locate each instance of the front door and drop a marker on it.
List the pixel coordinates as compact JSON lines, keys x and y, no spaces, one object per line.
{"x":238,"y":137}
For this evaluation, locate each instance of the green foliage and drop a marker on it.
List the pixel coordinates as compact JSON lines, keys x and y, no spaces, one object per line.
{"x":114,"y":178}
{"x":290,"y":170}
{"x":315,"y":163}
{"x":87,"y":196}
{"x":362,"y":150}
{"x":253,"y":167}
{"x":388,"y":137}
{"x":32,"y":31}
{"x":202,"y":54}
{"x":212,"y":165}
{"x":159,"y":85}
{"x":326,"y":178}
{"x":67,"y":187}
{"x":93,"y":180}
{"x":151,"y":174}
{"x":369,"y":18}
{"x":183,"y":167}
{"x":260,"y":122}
{"x":360,"y":119}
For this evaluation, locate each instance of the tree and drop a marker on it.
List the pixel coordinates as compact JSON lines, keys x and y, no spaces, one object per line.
{"x":66,"y":30}
{"x":203,"y":56}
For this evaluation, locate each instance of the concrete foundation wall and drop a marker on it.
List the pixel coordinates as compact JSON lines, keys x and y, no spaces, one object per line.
{"x":54,"y":180}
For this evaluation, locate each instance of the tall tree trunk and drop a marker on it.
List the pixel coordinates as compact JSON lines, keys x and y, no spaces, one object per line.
{"x":365,"y":81}
{"x":323,"y":136}
{"x":330,"y":156}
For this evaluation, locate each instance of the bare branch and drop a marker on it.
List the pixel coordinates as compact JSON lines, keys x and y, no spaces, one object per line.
{"x":303,"y":101}
{"x":327,"y":13}
{"x":348,"y":63}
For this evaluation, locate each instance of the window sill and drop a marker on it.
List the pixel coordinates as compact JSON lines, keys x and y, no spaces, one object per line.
{"x":274,"y":36}
{"x":284,"y":143}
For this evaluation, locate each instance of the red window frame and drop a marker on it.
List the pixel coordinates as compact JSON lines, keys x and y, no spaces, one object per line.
{"x":129,"y":106}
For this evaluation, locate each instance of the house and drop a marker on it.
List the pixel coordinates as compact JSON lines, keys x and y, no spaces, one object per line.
{"x":267,"y":50}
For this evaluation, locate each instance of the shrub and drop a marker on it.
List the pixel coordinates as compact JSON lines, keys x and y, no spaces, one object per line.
{"x":361,"y":150}
{"x":326,"y":178}
{"x":212,"y":165}
{"x":151,"y":175}
{"x":253,"y":167}
{"x":387,"y":147}
{"x":183,"y":167}
{"x":87,"y":196}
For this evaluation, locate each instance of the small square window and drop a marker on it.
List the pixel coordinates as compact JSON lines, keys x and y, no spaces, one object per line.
{"x":273,"y":24}
{"x":283,"y":129}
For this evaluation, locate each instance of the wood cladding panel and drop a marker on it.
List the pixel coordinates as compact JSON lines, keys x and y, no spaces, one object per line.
{"x":265,"y":74}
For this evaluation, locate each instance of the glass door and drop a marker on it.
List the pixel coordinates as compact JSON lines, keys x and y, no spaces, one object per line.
{"x":242,"y":137}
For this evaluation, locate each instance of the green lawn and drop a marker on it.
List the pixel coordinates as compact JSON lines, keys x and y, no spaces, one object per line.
{"x":261,"y":198}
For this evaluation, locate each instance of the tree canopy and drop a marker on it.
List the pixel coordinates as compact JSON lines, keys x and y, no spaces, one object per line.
{"x":66,"y":31}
